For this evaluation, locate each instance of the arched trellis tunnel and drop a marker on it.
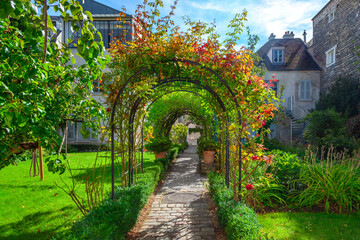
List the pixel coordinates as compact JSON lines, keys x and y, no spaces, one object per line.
{"x":160,"y":83}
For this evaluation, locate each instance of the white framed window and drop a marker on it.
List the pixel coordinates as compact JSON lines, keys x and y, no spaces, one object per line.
{"x":331,"y":16}
{"x":305,"y":90}
{"x":330,"y":56}
{"x":278,"y":56}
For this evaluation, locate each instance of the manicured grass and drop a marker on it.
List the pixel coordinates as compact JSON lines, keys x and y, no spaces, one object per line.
{"x":319,"y":226}
{"x":34,"y":209}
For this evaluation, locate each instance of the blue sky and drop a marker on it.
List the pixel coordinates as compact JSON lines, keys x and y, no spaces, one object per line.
{"x":264,"y":16}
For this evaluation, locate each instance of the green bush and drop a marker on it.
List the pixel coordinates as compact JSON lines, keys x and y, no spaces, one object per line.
{"x":333,"y":185}
{"x":353,"y":127}
{"x":327,"y":128}
{"x":286,"y":170}
{"x":343,"y":96}
{"x":160,"y":144}
{"x":239,"y":221}
{"x":114,"y":218}
{"x":178,"y":133}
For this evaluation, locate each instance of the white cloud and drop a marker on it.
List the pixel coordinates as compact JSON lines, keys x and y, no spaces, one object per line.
{"x":278,"y":16}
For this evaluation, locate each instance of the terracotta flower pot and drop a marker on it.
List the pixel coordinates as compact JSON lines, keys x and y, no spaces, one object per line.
{"x":209,"y":157}
{"x":160,"y":155}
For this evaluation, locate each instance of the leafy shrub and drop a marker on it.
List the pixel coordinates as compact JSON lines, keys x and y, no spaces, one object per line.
{"x":160,"y":144}
{"x":353,"y":127}
{"x":286,"y":170}
{"x":207,"y":145}
{"x":343,"y":96}
{"x":333,"y":183}
{"x":275,"y":144}
{"x":114,"y":218}
{"x":327,"y":128}
{"x":239,"y":220}
{"x":178,"y":133}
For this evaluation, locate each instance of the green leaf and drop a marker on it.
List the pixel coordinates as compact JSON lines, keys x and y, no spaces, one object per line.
{"x":84,"y":131}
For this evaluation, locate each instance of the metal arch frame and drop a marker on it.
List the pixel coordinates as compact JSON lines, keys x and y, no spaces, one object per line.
{"x":176,"y":61}
{"x":165,"y":81}
{"x":153,"y":101}
{"x":169,"y":119}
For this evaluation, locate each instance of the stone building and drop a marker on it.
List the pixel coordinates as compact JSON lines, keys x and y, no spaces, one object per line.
{"x":298,"y":74}
{"x":105,"y":21}
{"x":336,"y":40}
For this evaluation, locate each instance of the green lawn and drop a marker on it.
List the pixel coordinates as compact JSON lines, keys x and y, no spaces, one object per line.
{"x":34,"y":209}
{"x":319,"y":226}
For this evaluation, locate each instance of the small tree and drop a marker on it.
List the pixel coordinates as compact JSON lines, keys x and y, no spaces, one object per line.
{"x":39,"y":89}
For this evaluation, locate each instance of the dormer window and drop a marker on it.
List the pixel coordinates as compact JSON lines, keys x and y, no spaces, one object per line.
{"x":331,"y":16}
{"x":278,"y":56}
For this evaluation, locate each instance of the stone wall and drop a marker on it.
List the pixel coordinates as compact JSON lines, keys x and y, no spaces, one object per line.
{"x":344,"y":33}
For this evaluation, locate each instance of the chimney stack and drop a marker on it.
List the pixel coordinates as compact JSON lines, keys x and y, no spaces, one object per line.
{"x":288,"y":34}
{"x":272,"y":36}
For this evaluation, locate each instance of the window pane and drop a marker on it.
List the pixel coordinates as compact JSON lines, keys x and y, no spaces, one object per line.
{"x":308,"y":89}
{"x":71,"y":131}
{"x":280,"y":55}
{"x":275,"y":55}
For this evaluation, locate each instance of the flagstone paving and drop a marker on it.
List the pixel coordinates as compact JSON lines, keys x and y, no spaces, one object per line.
{"x":179,"y":210}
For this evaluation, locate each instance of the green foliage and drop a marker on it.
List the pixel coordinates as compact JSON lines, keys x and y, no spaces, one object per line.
{"x":327,"y":128}
{"x":207,"y":145}
{"x":286,"y":170}
{"x":275,"y":144}
{"x":195,"y":130}
{"x":38,"y":89}
{"x":239,"y":221}
{"x":165,"y":111}
{"x":353,"y":126}
{"x":178,"y":133}
{"x":344,"y":96}
{"x":160,"y":144}
{"x":114,"y":218}
{"x":331,"y":184}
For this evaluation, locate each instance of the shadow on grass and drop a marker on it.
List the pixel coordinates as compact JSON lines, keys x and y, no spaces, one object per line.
{"x":21,"y":228}
{"x":82,"y":173}
{"x":33,"y":188}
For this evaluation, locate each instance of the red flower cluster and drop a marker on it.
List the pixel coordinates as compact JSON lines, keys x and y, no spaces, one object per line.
{"x":249,"y":186}
{"x":108,"y":109}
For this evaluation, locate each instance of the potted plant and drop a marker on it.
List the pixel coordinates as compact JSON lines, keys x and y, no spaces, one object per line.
{"x":208,"y":149}
{"x":159,"y":146}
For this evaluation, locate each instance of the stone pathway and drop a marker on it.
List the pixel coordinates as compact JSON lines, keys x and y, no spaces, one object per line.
{"x":179,"y":211}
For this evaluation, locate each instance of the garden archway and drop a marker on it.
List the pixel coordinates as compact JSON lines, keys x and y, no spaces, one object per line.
{"x":178,"y":78}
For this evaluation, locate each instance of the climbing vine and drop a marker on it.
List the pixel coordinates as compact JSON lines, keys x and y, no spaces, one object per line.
{"x":161,"y":54}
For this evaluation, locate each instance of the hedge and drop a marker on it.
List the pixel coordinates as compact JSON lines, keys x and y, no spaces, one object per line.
{"x":238,"y":220}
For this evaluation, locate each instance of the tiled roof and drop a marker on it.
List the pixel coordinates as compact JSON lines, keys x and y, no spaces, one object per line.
{"x":100,"y":10}
{"x":296,"y":55}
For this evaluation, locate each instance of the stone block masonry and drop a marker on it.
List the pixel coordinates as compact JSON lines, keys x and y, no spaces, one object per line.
{"x":343,"y":33}
{"x":179,"y":210}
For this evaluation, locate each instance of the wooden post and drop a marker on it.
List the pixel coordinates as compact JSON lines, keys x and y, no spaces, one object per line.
{"x":66,"y":137}
{"x":41,"y":163}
